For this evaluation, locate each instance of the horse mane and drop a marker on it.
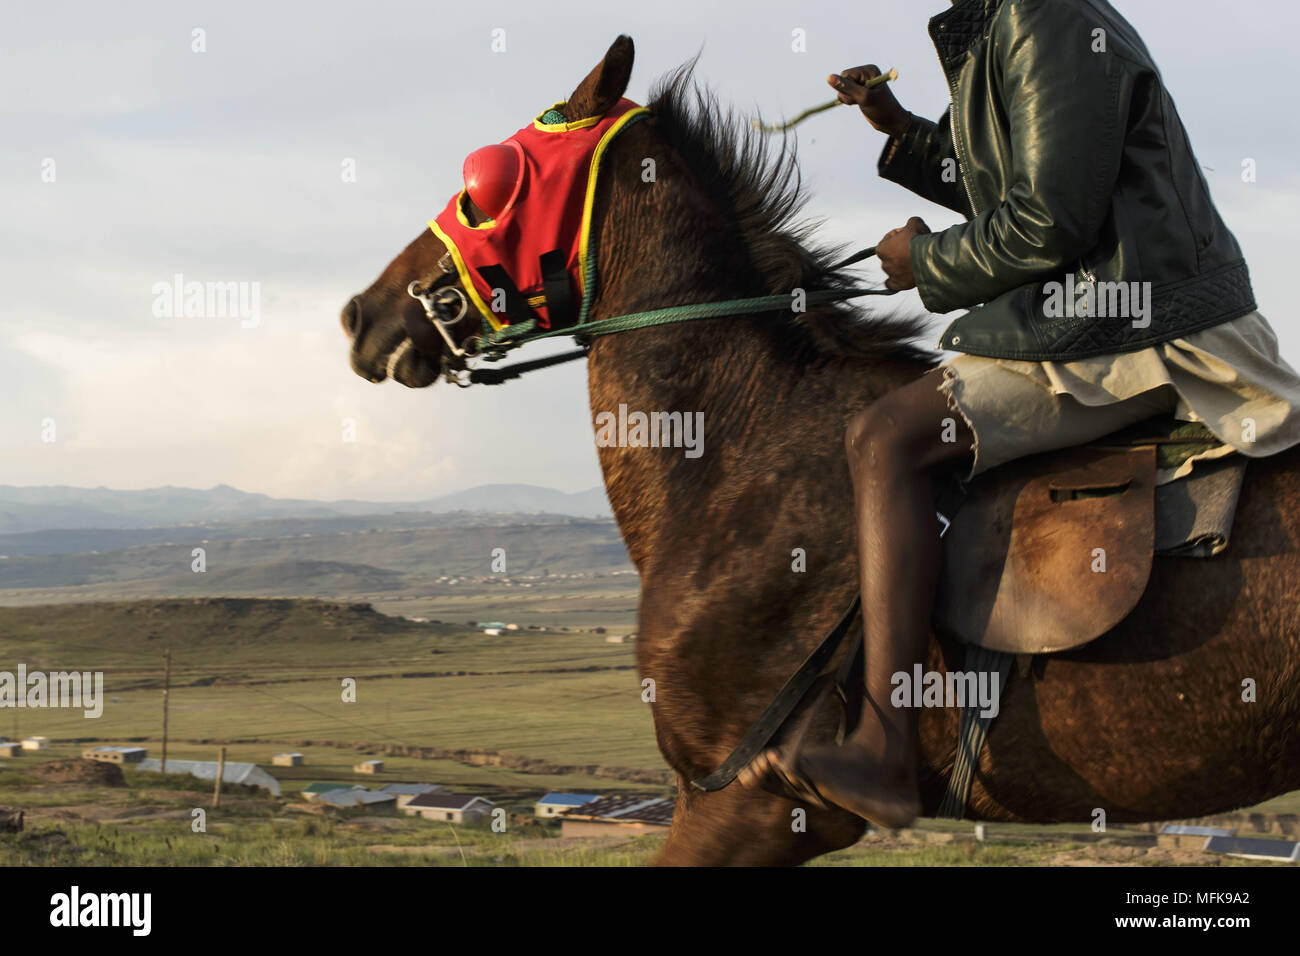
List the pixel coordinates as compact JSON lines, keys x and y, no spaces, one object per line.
{"x":762,"y":192}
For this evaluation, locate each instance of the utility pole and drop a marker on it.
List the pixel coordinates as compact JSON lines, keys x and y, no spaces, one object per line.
{"x":167,"y":684}
{"x":221,"y":772}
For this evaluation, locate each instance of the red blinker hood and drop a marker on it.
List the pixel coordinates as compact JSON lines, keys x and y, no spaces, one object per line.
{"x":538,"y":187}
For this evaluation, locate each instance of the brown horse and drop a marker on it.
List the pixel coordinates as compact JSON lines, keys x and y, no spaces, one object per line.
{"x":1146,"y":723}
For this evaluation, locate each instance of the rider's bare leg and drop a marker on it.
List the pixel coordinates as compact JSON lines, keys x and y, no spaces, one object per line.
{"x":892,"y":446}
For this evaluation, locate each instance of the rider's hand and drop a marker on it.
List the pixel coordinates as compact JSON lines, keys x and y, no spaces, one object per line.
{"x":878,"y":104}
{"x":894,"y":252}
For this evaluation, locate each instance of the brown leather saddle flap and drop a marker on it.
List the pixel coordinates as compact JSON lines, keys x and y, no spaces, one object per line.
{"x":1049,"y":552}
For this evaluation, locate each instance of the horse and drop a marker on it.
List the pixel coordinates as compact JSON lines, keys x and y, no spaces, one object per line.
{"x":1148,"y":722}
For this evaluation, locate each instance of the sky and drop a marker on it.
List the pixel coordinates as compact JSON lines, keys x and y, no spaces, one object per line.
{"x":128,"y":156}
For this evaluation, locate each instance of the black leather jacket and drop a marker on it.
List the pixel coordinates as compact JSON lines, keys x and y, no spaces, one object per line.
{"x":1066,"y":159}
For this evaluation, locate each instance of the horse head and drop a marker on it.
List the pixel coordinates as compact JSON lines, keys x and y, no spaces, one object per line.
{"x":391,"y":331}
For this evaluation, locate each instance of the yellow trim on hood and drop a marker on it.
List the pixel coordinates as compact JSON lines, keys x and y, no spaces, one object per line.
{"x":563,"y":127}
{"x":590,"y":201}
{"x":465,"y":278}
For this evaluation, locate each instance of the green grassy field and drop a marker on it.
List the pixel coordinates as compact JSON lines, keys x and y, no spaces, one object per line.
{"x":506,"y":717}
{"x":561,"y":717}
{"x":151,"y":823}
{"x":266,"y":675}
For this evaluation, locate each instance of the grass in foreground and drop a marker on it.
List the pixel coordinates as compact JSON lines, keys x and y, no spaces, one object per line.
{"x":152,"y":823}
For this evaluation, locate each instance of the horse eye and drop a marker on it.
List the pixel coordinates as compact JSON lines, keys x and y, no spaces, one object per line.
{"x":477,"y":215}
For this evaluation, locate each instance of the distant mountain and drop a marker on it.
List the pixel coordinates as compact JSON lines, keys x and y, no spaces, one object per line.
{"x":218,"y":626}
{"x":524,"y":499}
{"x":81,"y":540}
{"x":297,"y":578}
{"x":342,"y":557}
{"x":61,"y":507}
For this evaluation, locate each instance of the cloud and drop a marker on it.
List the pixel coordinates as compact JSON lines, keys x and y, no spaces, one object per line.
{"x":225,"y":166}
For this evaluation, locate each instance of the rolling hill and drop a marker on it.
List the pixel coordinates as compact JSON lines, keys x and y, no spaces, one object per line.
{"x":61,"y":507}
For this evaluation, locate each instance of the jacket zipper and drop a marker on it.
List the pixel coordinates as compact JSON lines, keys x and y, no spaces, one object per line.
{"x":952,"y":125}
{"x":956,"y":145}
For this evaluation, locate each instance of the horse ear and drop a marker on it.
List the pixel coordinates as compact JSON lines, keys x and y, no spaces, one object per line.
{"x":605,"y":84}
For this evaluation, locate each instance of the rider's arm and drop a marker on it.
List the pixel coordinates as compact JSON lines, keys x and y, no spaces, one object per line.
{"x":922,"y":159}
{"x":1066,"y":107}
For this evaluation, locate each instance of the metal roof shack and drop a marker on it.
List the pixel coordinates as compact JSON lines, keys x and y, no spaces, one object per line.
{"x":442,"y":800}
{"x":358,"y":798}
{"x":314,"y":790}
{"x":406,"y":792}
{"x":414,"y":789}
{"x":624,"y":813}
{"x":249,"y":774}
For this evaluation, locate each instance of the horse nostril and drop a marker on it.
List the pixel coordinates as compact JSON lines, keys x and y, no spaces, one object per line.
{"x":351,"y":317}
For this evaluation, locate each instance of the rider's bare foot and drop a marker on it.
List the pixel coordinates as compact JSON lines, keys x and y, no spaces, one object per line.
{"x":847,"y":776}
{"x":771,"y":771}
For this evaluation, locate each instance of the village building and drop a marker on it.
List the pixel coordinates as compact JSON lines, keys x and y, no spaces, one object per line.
{"x":358,"y":799}
{"x":449,"y":807}
{"x":115,"y":754}
{"x":286,"y":760}
{"x":553,"y":804}
{"x":233,"y":771}
{"x":622,"y":814}
{"x":36,"y":743}
{"x":406,"y":792}
{"x":10,"y":748}
{"x":369,"y":766}
{"x":312,"y":791}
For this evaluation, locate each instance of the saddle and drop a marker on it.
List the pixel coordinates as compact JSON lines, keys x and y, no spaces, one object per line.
{"x":1049,"y":552}
{"x":1040,"y":555}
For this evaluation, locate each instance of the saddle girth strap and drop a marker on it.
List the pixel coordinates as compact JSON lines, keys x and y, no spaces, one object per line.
{"x":972,"y":730}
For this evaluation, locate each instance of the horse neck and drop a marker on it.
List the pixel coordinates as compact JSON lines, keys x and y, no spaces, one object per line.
{"x":773,"y":413}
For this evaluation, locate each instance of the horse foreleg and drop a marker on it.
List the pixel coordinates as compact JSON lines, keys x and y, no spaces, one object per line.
{"x":742,"y":826}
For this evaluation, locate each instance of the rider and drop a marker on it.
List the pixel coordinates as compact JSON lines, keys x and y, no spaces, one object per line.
{"x":1064,"y":153}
